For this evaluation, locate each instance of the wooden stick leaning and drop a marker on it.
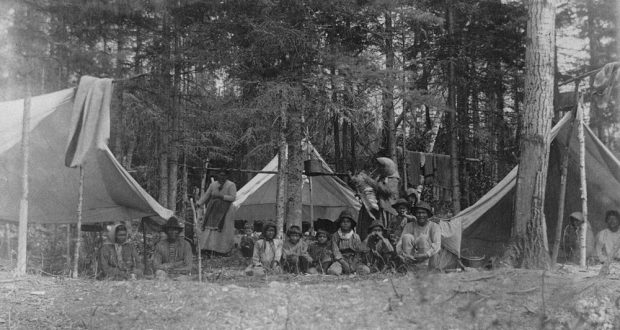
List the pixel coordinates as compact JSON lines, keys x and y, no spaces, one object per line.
{"x":196,"y":239}
{"x":22,"y":230}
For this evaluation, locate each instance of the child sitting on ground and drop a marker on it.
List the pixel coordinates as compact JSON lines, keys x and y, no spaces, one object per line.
{"x":347,"y":247}
{"x":267,"y":253}
{"x":248,"y":239}
{"x":321,"y":253}
{"x":381,"y":250}
{"x":295,"y":257}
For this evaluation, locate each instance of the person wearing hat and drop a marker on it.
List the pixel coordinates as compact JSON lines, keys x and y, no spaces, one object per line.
{"x":421,"y":239}
{"x":267,"y":253}
{"x":295,"y":257}
{"x":347,"y":247}
{"x":412,"y":196}
{"x":397,"y":223}
{"x":381,"y":250}
{"x":572,"y":238}
{"x":320,"y":252}
{"x":608,"y":240}
{"x":173,"y":256}
{"x":119,"y":258}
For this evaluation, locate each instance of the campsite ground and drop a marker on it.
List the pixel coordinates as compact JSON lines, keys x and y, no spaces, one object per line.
{"x":500,"y":299}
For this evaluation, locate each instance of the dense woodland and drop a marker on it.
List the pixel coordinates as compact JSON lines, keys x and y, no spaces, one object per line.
{"x":232,"y":81}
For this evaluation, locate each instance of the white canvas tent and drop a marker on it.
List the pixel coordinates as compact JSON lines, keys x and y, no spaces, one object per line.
{"x":110,"y":193}
{"x":487,"y":224}
{"x":256,"y":200}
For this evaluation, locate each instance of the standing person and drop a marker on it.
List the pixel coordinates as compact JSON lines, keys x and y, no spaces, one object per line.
{"x":321,"y":252}
{"x":295,"y":257}
{"x":173,"y":256}
{"x":421,"y":239}
{"x":267,"y":253}
{"x":119,"y":258}
{"x":347,"y":248}
{"x":218,"y":230}
{"x":608,"y":239}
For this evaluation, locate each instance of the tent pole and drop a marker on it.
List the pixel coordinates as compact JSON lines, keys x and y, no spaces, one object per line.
{"x":562,"y":195}
{"x":404,"y":153}
{"x":311,"y":205}
{"x":144,"y":259}
{"x":584,"y":188}
{"x":78,"y":230}
{"x":22,"y":233}
{"x":68,"y":254}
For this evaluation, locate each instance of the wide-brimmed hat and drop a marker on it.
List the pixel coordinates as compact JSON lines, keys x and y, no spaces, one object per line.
{"x":577,"y":216}
{"x":400,"y":201}
{"x":375,"y":224}
{"x":173,"y":223}
{"x":424,"y":206}
{"x":293,"y":230}
{"x":346,"y":214}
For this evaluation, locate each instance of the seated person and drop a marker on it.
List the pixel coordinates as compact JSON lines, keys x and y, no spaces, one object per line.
{"x":380,"y":248}
{"x":267,"y":253}
{"x":608,"y":240}
{"x":119,"y":258}
{"x":295,"y":257}
{"x":347,"y":248}
{"x":247,"y":240}
{"x":421,"y":239}
{"x":572,"y":238}
{"x":397,"y":223}
{"x":321,"y":253}
{"x":173,"y":256}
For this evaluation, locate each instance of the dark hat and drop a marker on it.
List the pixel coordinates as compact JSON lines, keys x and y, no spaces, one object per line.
{"x":269,"y":224}
{"x":424,"y":206}
{"x":294,"y":230}
{"x":374,"y":224}
{"x":346,"y":214}
{"x":400,"y":201}
{"x":173,"y":223}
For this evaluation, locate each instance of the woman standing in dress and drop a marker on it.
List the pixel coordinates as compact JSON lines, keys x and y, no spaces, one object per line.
{"x":217,"y":233}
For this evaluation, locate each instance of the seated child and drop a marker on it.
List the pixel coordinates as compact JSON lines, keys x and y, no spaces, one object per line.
{"x":119,"y":258}
{"x":295,"y":257}
{"x":321,"y":253}
{"x":267,"y":253}
{"x":173,"y":256}
{"x":381,"y":250}
{"x":397,"y":223}
{"x":347,"y":248}
{"x":247,"y":240}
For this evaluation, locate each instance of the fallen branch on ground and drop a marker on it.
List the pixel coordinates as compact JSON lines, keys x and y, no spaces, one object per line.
{"x":480,"y":278}
{"x":530,"y":290}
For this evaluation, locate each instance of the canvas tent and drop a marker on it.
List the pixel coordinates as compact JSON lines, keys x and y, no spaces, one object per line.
{"x":256,"y":200}
{"x":487,"y":223}
{"x":110,"y":193}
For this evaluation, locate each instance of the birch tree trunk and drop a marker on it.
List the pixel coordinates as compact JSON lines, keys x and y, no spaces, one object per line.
{"x":528,"y":248}
{"x":281,"y":180}
{"x":294,"y":166}
{"x":389,"y":138}
{"x":452,"y":126}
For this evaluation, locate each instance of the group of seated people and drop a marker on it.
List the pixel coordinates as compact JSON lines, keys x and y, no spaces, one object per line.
{"x":404,"y":240}
{"x":599,"y":248}
{"x":172,"y":257}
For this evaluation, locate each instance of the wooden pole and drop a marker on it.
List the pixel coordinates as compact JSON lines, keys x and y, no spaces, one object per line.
{"x":9,"y":253}
{"x":404,"y":155}
{"x":144,"y":258}
{"x":22,"y":234}
{"x":584,"y":188}
{"x":78,"y":242}
{"x":68,"y":254}
{"x":196,"y":239}
{"x":562,"y":193}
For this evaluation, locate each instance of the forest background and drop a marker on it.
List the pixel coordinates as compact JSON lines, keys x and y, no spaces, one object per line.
{"x":228,"y":81}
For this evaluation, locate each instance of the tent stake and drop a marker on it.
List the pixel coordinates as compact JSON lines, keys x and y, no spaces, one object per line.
{"x":584,"y":188}
{"x":78,"y":242}
{"x":22,"y":233}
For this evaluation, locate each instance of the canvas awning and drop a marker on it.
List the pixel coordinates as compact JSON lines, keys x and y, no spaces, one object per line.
{"x":110,"y":193}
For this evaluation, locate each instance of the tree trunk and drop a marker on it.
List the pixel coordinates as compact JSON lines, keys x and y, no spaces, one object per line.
{"x":451,"y":120}
{"x":175,"y":109}
{"x":389,"y":138}
{"x":336,"y":125}
{"x":295,"y":166}
{"x":529,"y":228}
{"x":163,"y":166}
{"x":282,"y":175}
{"x":22,"y":232}
{"x":353,"y":156}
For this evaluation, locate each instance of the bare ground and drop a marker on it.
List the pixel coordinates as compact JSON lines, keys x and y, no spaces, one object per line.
{"x":501,"y":299}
